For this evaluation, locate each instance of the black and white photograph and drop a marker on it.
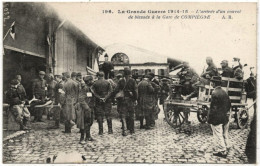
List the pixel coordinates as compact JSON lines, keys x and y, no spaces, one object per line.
{"x":129,"y":82}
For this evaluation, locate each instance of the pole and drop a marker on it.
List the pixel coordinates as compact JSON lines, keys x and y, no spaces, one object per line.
{"x":7,"y":33}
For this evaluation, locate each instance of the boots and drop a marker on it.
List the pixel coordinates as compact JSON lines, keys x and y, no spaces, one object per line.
{"x":124,"y":127}
{"x":81,"y":141}
{"x":100,"y":125}
{"x":24,"y":125}
{"x":88,"y":135}
{"x":132,"y":126}
{"x":67,"y":127}
{"x":109,"y":125}
{"x":148,"y":123}
{"x":127,"y":123}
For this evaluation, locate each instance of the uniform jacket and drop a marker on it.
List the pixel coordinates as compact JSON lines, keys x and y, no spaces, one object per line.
{"x":59,"y":97}
{"x":227,"y":72}
{"x":21,"y":92}
{"x":13,"y":97}
{"x":130,"y":88}
{"x":211,"y":71}
{"x":102,"y":89}
{"x":51,"y":89}
{"x":38,"y":88}
{"x":146,"y":96}
{"x":219,"y":107}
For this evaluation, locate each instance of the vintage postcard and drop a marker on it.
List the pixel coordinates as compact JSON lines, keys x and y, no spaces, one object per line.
{"x":136,"y":82}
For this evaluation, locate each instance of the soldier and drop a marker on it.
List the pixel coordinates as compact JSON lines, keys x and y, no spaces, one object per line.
{"x":165,"y":89}
{"x":107,"y":68}
{"x":226,"y":70}
{"x":59,"y":100}
{"x":209,"y":73}
{"x":237,"y":68}
{"x":20,"y":87}
{"x":71,"y":90}
{"x":83,"y":111}
{"x":145,"y":99}
{"x":39,"y":90}
{"x":51,"y":83}
{"x":74,"y":76}
{"x":102,"y":91}
{"x":126,"y":103}
{"x":16,"y":101}
{"x":155,"y":83}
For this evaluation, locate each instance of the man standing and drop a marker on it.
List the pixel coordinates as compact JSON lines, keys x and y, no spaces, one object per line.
{"x":155,"y":83}
{"x":226,"y":70}
{"x":126,"y":104}
{"x":51,"y":83}
{"x":102,"y":90}
{"x":17,"y":108}
{"x":83,"y":111}
{"x":71,"y":90}
{"x":20,"y":87}
{"x":145,"y":99}
{"x":39,"y":90}
{"x":218,"y":117}
{"x":59,"y":100}
{"x":165,"y":89}
{"x":107,"y":68}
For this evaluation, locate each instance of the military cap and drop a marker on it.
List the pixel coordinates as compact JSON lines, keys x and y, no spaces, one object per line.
{"x":79,"y":74}
{"x":87,"y":78}
{"x":66,"y":74}
{"x":14,"y":82}
{"x":216,"y":79}
{"x":151,"y":74}
{"x":224,"y":61}
{"x":236,"y":59}
{"x":127,"y":71}
{"x":100,"y":74}
{"x":41,"y":73}
{"x":73,"y":74}
{"x":106,"y":55}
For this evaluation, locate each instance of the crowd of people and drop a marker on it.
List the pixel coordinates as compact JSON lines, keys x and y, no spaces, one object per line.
{"x":78,"y":100}
{"x":81,"y":100}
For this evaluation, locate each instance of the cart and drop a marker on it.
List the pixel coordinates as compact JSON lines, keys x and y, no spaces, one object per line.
{"x":177,"y":110}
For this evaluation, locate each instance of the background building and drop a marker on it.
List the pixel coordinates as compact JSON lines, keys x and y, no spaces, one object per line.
{"x":36,"y":38}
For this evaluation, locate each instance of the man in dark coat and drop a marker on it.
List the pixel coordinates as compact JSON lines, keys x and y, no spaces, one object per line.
{"x":39,"y":90}
{"x":71,"y":90}
{"x":218,"y":117}
{"x":83,"y":112}
{"x":165,"y":89}
{"x":16,"y":101}
{"x":211,"y":69}
{"x":102,"y":90}
{"x":226,"y":70}
{"x":107,"y":68}
{"x":156,"y":85}
{"x":59,"y":95}
{"x":145,"y":99}
{"x":51,"y":83}
{"x":126,"y":104}
{"x":237,"y":69}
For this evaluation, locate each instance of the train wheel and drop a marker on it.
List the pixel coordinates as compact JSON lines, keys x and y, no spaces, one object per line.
{"x":242,"y":118}
{"x":174,"y":116}
{"x":202,"y":114}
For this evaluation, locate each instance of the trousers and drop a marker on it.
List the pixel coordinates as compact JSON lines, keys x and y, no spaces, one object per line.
{"x":221,"y":137}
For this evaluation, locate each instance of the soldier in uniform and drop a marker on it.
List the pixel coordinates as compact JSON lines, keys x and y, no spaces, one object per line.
{"x":165,"y":89}
{"x":107,"y":68}
{"x":156,"y":85}
{"x":51,"y":83}
{"x":226,"y":70}
{"x":15,"y":98}
{"x":126,"y":104}
{"x":59,"y":100}
{"x":39,"y":90}
{"x":211,"y":69}
{"x":83,"y":111}
{"x":237,"y":68}
{"x":102,"y":90}
{"x":145,"y":99}
{"x":71,"y":90}
{"x":20,"y":87}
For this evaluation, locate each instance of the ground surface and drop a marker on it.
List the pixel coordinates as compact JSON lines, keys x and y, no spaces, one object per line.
{"x":163,"y":144}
